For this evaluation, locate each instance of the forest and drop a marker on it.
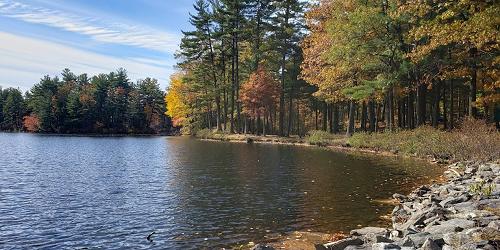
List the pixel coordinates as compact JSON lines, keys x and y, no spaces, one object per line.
{"x":290,"y":66}
{"x":102,"y":104}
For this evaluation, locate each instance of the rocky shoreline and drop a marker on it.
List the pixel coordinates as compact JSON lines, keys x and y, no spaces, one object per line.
{"x":462,"y":213}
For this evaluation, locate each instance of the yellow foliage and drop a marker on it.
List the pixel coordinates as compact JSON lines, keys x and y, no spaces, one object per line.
{"x":175,"y":100}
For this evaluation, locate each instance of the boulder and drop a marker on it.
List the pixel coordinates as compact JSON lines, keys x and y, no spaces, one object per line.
{"x":456,"y":240}
{"x":453,"y":200}
{"x":376,"y":238}
{"x":495,"y":224}
{"x":370,"y":230}
{"x":429,"y":244}
{"x":415,"y":240}
{"x":385,"y":246}
{"x":262,"y":247}
{"x":450,"y":226}
{"x":342,"y":244}
{"x":399,"y":197}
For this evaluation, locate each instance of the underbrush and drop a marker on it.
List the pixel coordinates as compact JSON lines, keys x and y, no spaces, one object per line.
{"x":319,"y":138}
{"x":211,"y":134}
{"x":473,"y":140}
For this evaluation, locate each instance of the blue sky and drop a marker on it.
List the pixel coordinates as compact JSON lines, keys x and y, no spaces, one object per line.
{"x":40,"y":37}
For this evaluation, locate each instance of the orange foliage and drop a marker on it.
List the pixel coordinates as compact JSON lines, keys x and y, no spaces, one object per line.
{"x":260,"y":93}
{"x":31,"y":123}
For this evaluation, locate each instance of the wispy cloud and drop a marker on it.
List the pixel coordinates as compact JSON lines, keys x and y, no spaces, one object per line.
{"x":24,"y":60}
{"x":95,"y":28}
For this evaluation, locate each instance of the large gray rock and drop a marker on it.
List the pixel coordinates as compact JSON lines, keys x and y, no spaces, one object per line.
{"x":429,"y":244}
{"x":450,"y":226}
{"x":415,"y":240}
{"x":494,"y":224}
{"x":342,"y":244}
{"x":453,"y":200}
{"x":376,"y":238}
{"x":385,"y":246}
{"x":457,"y":239}
{"x":370,"y":230}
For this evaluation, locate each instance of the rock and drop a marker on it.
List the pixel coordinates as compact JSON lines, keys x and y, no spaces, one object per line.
{"x":399,"y":197}
{"x":446,"y":247}
{"x":495,"y":224}
{"x":262,"y":247}
{"x":486,"y":174}
{"x":454,"y":200}
{"x":486,"y":220}
{"x":357,"y":248}
{"x":429,"y":244}
{"x":395,"y":234}
{"x":450,"y":226}
{"x":341,"y":244}
{"x":384,"y":246}
{"x":489,"y":247}
{"x":370,"y":230}
{"x":457,"y":239}
{"x":470,"y":170}
{"x":484,"y":168}
{"x":415,"y":240}
{"x":375,"y":238}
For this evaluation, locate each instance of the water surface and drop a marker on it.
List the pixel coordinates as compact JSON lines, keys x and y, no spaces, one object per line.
{"x":110,"y":193}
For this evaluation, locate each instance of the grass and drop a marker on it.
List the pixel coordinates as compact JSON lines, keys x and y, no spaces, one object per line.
{"x":323,"y":138}
{"x":474,"y":140}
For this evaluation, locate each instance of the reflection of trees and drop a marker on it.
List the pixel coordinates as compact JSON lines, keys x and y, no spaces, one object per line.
{"x":227,"y":192}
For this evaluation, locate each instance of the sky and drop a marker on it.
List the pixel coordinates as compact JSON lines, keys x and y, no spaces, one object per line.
{"x":42,"y":37}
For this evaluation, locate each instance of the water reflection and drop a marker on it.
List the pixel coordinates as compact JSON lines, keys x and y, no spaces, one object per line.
{"x":73,"y":192}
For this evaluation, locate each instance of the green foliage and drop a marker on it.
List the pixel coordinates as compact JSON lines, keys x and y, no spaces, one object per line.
{"x":482,"y":188}
{"x":12,"y":109}
{"x":319,"y":138}
{"x":107,"y":103}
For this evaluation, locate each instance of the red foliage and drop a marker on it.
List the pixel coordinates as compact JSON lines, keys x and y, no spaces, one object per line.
{"x":31,"y":123}
{"x":260,"y":93}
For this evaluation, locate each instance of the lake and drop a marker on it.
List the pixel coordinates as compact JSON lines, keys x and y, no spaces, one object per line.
{"x":64,"y":192}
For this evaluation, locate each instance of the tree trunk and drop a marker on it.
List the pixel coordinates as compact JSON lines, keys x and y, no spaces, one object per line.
{"x":452,"y":111}
{"x":445,"y":107}
{"x":335,"y":118}
{"x":325,"y":116}
{"x":363,"y":116}
{"x":371,"y":115}
{"x":421,"y":112}
{"x":390,"y":106}
{"x":290,"y":115}
{"x":352,"y":113}
{"x":435,"y":105}
{"x":472,"y":94}
{"x":316,"y":118}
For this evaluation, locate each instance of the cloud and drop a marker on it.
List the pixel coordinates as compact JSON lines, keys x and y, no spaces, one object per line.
{"x":95,"y":28}
{"x":24,"y":60}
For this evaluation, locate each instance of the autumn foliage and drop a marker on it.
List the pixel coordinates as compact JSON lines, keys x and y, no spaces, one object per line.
{"x":260,"y":93}
{"x":175,"y":99}
{"x":31,"y":123}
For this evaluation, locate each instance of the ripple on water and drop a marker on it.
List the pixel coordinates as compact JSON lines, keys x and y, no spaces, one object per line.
{"x":111,"y":193}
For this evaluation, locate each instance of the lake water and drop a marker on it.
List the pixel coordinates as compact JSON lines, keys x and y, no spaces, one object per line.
{"x":111,"y":193}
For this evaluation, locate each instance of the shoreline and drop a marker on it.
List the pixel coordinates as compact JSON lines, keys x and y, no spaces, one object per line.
{"x":459,"y":210}
{"x":90,"y":134}
{"x":340,"y":147}
{"x":462,"y":213}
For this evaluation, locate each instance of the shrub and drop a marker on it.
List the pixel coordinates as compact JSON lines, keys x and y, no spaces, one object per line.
{"x":473,"y":140}
{"x":319,"y":137}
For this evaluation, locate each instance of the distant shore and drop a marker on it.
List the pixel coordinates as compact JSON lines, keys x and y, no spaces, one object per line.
{"x":91,"y":134}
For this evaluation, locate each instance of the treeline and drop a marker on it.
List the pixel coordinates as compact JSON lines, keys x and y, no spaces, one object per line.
{"x":104,"y":104}
{"x":285,"y":67}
